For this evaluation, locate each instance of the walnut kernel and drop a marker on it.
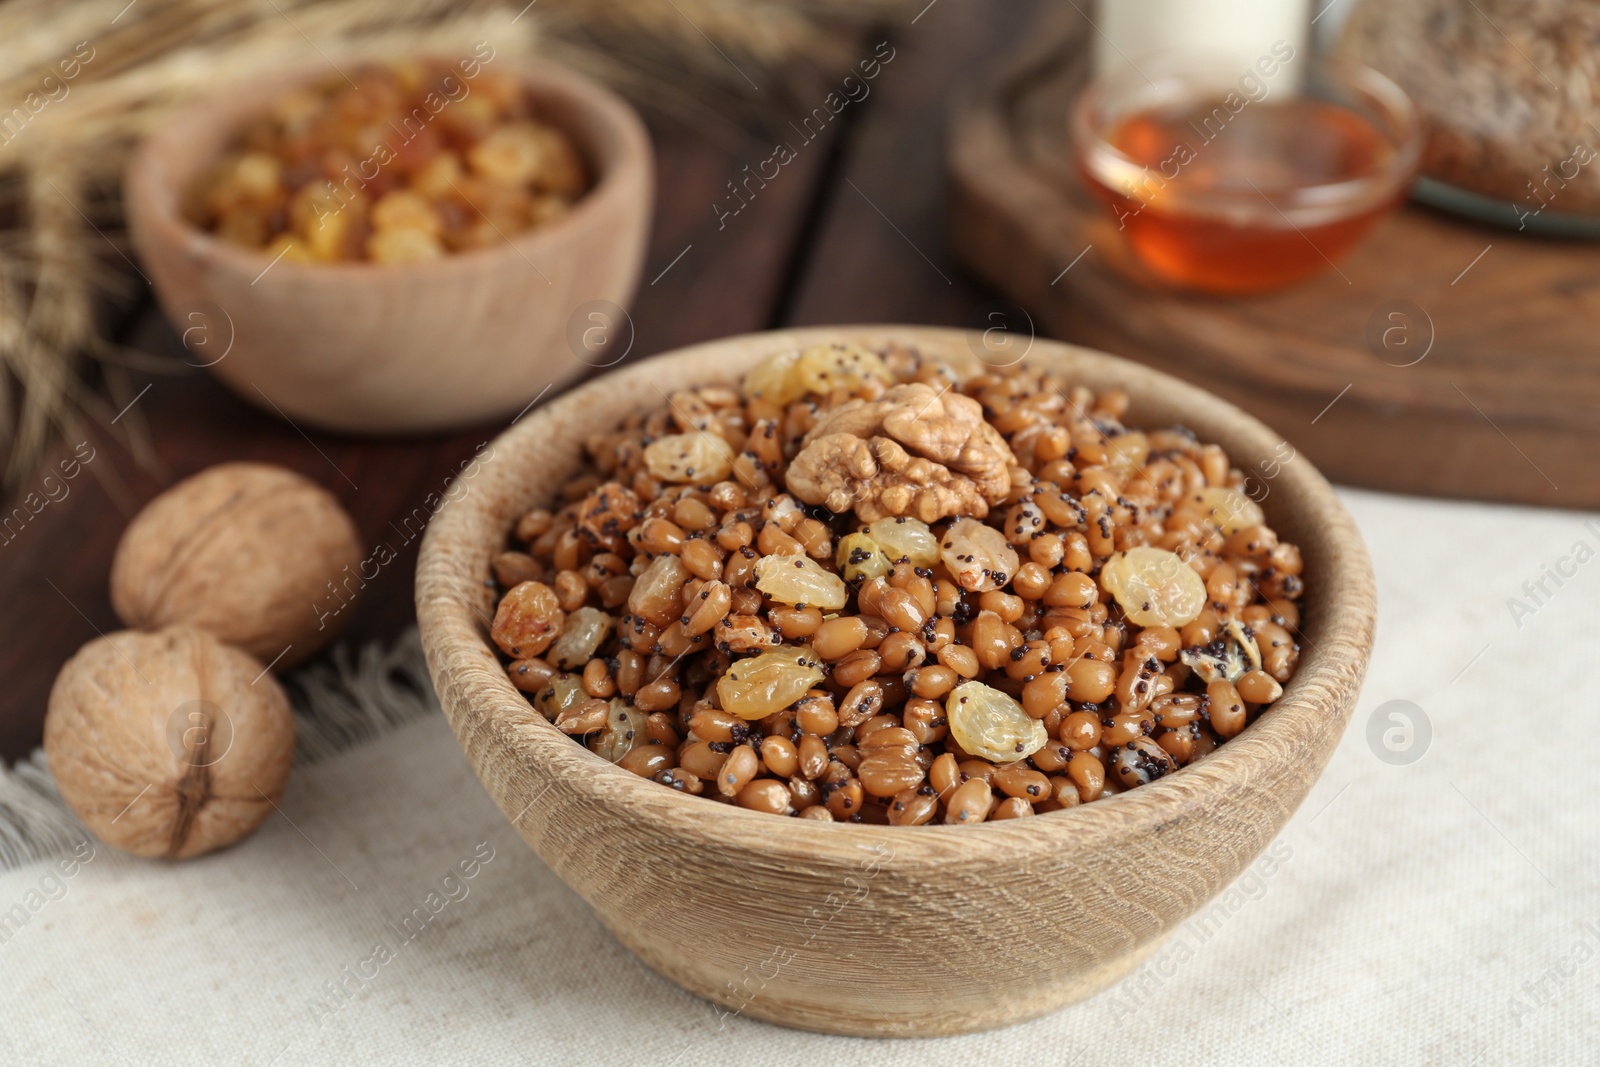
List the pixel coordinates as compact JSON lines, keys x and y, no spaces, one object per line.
{"x":914,"y":451}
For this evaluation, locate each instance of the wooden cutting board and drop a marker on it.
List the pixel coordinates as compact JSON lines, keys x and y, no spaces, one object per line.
{"x":1443,"y":357}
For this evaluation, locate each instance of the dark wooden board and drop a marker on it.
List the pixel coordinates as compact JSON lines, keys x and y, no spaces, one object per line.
{"x":882,"y":250}
{"x":1504,"y":406}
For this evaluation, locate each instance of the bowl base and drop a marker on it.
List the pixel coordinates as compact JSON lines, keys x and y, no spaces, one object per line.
{"x":745,"y":994}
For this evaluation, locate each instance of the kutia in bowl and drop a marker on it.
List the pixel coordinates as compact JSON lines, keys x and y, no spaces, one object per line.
{"x":935,"y":593}
{"x":854,"y":588}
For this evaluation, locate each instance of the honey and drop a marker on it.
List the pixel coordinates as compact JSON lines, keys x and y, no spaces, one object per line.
{"x":1248,"y":197}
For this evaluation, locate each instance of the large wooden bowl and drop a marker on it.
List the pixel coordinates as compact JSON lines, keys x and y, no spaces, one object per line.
{"x":390,"y":348}
{"x":874,"y":930}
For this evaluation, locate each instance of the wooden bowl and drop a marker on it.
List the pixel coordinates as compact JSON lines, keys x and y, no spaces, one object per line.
{"x":393,"y":348}
{"x":878,"y":930}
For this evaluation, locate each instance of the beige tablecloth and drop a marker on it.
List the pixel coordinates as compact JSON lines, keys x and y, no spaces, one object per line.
{"x":1439,"y":910}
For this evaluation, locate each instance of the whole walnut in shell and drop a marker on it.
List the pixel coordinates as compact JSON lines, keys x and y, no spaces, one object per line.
{"x":168,"y":744}
{"x":244,"y":551}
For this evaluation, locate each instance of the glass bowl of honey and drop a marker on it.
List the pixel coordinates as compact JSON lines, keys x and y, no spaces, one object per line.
{"x":1238,"y":178}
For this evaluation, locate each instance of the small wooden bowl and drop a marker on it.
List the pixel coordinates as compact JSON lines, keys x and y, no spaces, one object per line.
{"x":875,"y":930}
{"x":394,"y":348}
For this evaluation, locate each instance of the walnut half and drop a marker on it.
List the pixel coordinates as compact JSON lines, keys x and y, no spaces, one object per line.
{"x":914,"y":451}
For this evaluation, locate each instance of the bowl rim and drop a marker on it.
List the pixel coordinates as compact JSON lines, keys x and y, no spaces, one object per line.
{"x":479,"y":699}
{"x":630,"y":163}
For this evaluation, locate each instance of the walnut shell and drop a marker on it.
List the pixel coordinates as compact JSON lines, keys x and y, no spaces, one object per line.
{"x":168,"y":744}
{"x":244,"y":551}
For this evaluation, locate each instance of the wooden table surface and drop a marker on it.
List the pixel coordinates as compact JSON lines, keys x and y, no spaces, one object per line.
{"x":853,"y":231}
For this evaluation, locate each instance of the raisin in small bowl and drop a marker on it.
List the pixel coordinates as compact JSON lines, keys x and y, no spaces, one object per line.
{"x":938,"y":928}
{"x":403,"y":251}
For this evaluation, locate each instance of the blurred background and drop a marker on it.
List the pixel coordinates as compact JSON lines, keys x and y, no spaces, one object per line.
{"x":1365,"y":222}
